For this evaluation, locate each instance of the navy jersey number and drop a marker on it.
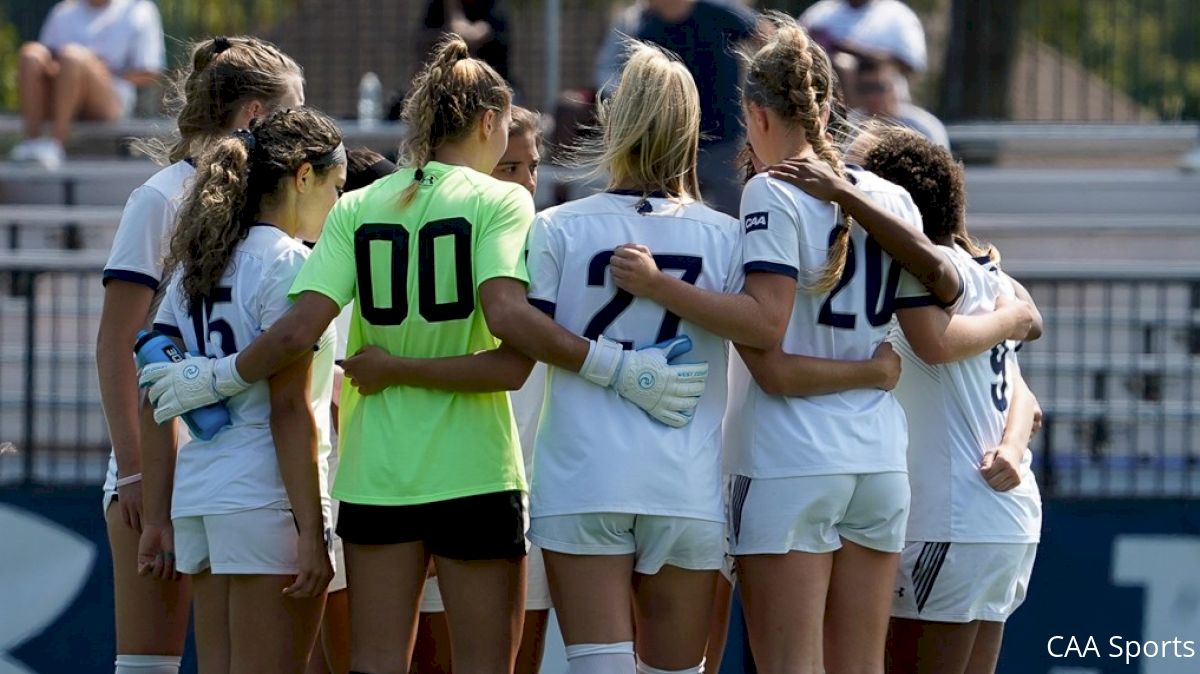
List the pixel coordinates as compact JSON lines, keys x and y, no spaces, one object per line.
{"x":690,"y":265}
{"x":878,"y":312}
{"x":1000,"y":388}
{"x":206,"y":328}
{"x":458,"y":230}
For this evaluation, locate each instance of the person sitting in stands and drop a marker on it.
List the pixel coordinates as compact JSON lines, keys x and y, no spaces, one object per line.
{"x":87,"y":64}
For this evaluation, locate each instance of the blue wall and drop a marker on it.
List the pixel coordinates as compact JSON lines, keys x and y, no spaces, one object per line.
{"x":1105,"y":568}
{"x":82,"y":639}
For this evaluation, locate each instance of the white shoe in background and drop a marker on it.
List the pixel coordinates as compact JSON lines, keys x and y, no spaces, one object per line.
{"x":49,"y":153}
{"x":23,"y":151}
{"x":1191,"y":161}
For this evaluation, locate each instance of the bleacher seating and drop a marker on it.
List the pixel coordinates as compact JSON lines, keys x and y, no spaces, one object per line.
{"x":1118,"y":371}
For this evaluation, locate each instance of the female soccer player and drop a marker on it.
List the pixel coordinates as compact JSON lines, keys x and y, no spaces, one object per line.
{"x":432,"y":653}
{"x":628,"y":511}
{"x":229,"y":82}
{"x":635,"y":516}
{"x":249,"y":514}
{"x":976,"y":512}
{"x":433,"y":256}
{"x":363,"y":167}
{"x":819,"y":495}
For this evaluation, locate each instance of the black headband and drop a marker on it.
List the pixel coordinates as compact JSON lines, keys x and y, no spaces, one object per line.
{"x":335,"y":156}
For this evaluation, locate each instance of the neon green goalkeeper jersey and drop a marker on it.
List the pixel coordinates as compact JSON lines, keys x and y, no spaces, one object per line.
{"x":414,"y":272}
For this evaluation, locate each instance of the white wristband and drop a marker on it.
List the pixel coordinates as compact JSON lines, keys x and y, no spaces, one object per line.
{"x":603,"y":359}
{"x":131,"y":479}
{"x":226,"y":378}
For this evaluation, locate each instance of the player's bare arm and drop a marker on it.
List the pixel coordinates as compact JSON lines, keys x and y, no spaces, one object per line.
{"x":939,"y":337}
{"x":908,"y":246}
{"x":1001,"y":466}
{"x":756,"y":317}
{"x":372,"y":369}
{"x":785,"y":374}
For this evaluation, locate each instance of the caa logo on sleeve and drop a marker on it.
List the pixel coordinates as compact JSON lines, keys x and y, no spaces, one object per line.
{"x":756,"y":221}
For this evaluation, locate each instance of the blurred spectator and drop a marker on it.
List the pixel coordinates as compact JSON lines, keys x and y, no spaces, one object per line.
{"x":482,"y":23}
{"x":704,"y":33}
{"x":876,"y":93}
{"x":878,"y":29}
{"x":87,"y":64}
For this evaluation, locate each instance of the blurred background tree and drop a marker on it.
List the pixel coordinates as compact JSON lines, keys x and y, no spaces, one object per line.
{"x":1149,"y":49}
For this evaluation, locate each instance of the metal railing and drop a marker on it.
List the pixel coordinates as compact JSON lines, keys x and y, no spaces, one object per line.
{"x":52,"y":429}
{"x":1117,"y":375}
{"x":1118,"y":378}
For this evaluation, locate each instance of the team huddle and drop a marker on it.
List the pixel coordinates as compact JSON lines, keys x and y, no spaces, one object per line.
{"x":619,"y":406}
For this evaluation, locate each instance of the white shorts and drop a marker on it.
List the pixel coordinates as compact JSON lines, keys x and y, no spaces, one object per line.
{"x":537,"y":587}
{"x":653,"y":540}
{"x":774,"y":516}
{"x":962,"y":582}
{"x":252,"y":542}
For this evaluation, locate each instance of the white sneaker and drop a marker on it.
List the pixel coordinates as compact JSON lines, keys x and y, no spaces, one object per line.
{"x":49,"y":153}
{"x":1191,"y":160}
{"x":23,"y":151}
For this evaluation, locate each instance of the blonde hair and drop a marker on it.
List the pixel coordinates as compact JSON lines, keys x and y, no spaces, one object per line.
{"x":792,"y":76}
{"x":232,"y":180}
{"x":222,"y":74}
{"x":649,"y":130}
{"x":444,"y":103}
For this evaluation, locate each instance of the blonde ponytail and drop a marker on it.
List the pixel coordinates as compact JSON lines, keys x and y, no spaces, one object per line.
{"x":445,"y":101}
{"x":792,"y":76}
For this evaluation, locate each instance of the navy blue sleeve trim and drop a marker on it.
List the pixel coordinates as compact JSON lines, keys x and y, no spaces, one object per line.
{"x":772,"y":268}
{"x":915,"y":302}
{"x":544,"y":306}
{"x":168,"y":330}
{"x":962,"y":288}
{"x":130,"y":277}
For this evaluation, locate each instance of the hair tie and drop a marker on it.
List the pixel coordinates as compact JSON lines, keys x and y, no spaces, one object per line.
{"x":247,"y":138}
{"x":418,"y":176}
{"x":220,"y":44}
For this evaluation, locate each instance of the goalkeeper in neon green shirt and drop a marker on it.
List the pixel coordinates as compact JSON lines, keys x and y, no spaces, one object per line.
{"x":433,"y":257}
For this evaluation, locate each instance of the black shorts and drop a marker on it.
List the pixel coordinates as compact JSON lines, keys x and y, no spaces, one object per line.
{"x":486,"y":526}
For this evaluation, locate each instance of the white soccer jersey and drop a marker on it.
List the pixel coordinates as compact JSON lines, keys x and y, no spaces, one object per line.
{"x":237,"y":469}
{"x":595,"y":451}
{"x":852,"y":432}
{"x":956,"y":412}
{"x":139,"y":248}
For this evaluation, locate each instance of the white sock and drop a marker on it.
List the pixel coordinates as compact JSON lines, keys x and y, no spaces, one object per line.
{"x":614,"y":658}
{"x":643,"y":668}
{"x":148,"y":664}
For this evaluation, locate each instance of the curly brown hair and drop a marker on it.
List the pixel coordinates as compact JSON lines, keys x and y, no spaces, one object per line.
{"x":792,"y":76}
{"x":206,"y":94}
{"x":932,"y":178}
{"x":232,"y":181}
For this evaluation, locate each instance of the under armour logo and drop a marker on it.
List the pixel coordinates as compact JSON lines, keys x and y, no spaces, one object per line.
{"x":900,"y":593}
